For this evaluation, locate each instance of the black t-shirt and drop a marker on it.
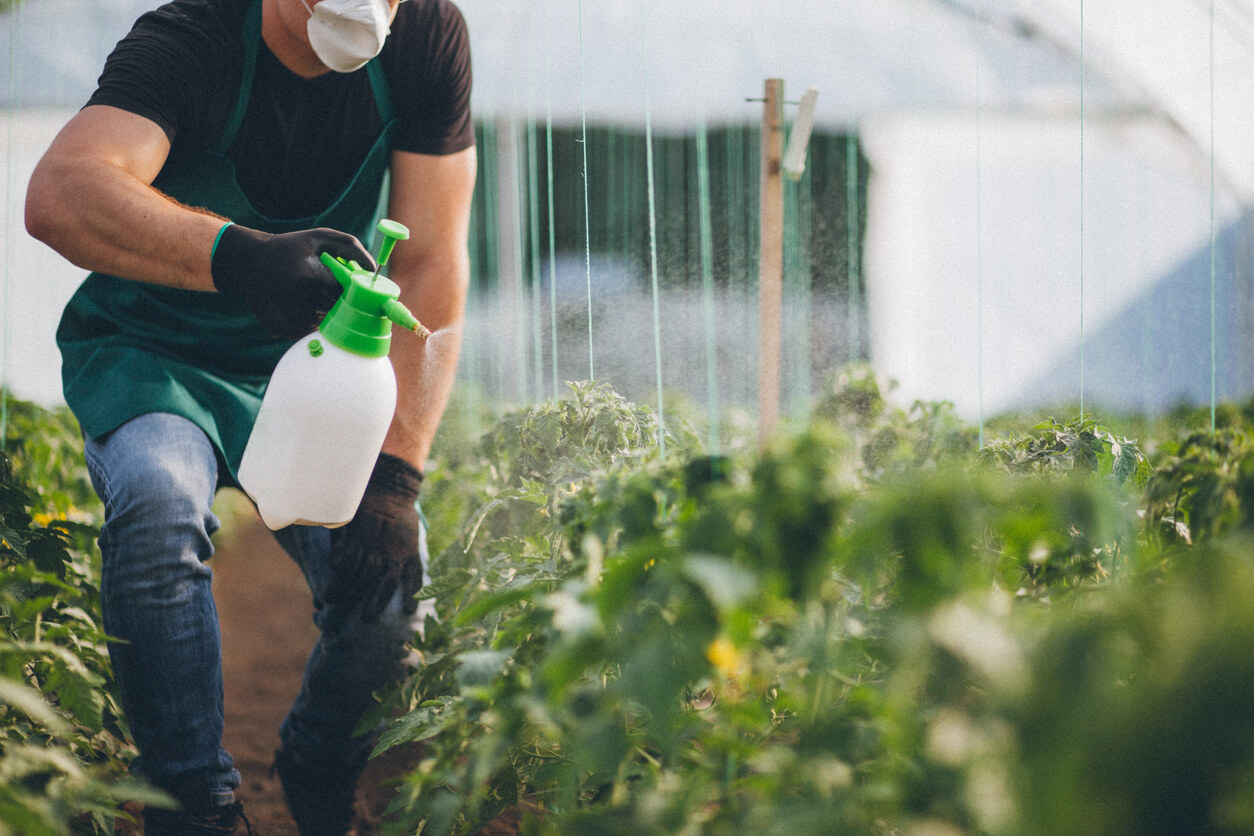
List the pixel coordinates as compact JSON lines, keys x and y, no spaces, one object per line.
{"x":301,"y":139}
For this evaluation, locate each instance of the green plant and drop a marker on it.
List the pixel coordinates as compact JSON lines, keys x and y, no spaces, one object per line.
{"x":865,"y":627}
{"x":453,"y":482}
{"x":1136,"y":717}
{"x":761,"y":642}
{"x":46,"y":452}
{"x":1079,"y":445}
{"x":65,"y":746}
{"x":513,"y":552}
{"x":1060,"y":465}
{"x":1203,"y":488}
{"x":638,"y":663}
{"x":893,"y":441}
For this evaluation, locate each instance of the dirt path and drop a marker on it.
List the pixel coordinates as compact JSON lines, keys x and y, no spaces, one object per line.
{"x":264,"y":609}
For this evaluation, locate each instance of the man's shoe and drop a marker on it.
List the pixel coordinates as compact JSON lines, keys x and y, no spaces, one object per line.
{"x":320,"y":791}
{"x":207,"y":821}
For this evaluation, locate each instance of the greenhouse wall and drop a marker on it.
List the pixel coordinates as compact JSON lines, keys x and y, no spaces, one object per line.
{"x":566,"y":293}
{"x":1004,"y":205}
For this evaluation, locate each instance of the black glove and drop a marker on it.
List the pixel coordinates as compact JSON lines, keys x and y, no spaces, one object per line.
{"x":377,"y":551}
{"x":281,"y":278}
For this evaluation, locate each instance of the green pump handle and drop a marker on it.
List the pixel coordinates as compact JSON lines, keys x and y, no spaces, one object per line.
{"x":361,"y":319}
{"x":343,"y":271}
{"x":393,"y":231}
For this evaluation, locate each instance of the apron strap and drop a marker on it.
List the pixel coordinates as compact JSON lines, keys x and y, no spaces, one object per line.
{"x":382,"y":93}
{"x":251,"y":39}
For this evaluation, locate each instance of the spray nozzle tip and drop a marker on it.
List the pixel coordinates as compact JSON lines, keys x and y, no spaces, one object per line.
{"x":402,"y":316}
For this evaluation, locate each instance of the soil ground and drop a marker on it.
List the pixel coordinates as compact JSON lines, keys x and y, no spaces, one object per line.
{"x":264,"y":609}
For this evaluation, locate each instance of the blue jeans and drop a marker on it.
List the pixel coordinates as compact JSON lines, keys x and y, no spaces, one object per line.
{"x":157,"y":475}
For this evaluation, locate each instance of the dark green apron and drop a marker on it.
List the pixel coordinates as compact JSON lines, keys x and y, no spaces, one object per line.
{"x":130,"y":348}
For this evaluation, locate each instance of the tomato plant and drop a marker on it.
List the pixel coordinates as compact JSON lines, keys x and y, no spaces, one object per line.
{"x":867,"y":625}
{"x":65,"y":746}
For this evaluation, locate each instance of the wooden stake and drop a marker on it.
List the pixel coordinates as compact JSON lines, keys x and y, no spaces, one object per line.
{"x":771,"y":259}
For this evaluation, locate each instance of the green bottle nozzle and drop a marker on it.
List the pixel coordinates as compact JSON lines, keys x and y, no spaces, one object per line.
{"x":361,"y":319}
{"x":401,"y":315}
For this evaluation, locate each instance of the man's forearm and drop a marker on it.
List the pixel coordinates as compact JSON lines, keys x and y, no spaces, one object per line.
{"x":431,"y":195}
{"x":426,"y":369}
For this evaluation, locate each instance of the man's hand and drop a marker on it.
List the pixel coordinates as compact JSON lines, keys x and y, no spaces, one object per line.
{"x":376,"y":553}
{"x":281,"y":278}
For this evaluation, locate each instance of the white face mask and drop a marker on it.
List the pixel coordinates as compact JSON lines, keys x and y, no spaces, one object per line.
{"x":345,"y":34}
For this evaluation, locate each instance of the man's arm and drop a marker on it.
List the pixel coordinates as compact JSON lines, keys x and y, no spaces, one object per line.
{"x":91,"y":199}
{"x":431,"y":195}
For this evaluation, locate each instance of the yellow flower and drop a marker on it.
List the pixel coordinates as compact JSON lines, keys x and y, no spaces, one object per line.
{"x":724,"y":656}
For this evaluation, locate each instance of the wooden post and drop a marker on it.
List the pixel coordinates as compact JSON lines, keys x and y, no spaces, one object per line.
{"x":771,"y":259}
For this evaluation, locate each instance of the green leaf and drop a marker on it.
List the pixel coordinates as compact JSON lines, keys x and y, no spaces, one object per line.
{"x":446,"y":581}
{"x":572,"y":616}
{"x":31,"y":703}
{"x":724,"y":583}
{"x":424,"y":723}
{"x":494,"y":601}
{"x":480,"y":668}
{"x":78,"y":693}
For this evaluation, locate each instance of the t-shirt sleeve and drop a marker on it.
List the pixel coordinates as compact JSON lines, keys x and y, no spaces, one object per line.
{"x":178,"y":66}
{"x":432,"y":94}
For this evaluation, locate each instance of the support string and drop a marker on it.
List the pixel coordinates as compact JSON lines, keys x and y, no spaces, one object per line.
{"x":548,"y":140}
{"x":1213,"y":341}
{"x":6,"y":353}
{"x":517,"y":290}
{"x":707,"y":285}
{"x":587,"y":212}
{"x":798,"y":302}
{"x":854,"y":282}
{"x":657,"y":315}
{"x":533,"y":239}
{"x":1081,"y":211}
{"x":979,"y":224}
{"x":738,"y":289}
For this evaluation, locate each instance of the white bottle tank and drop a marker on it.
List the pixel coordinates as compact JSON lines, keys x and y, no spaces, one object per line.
{"x":329,"y":404}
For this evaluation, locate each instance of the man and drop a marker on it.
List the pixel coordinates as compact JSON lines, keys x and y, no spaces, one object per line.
{"x":229,"y":143}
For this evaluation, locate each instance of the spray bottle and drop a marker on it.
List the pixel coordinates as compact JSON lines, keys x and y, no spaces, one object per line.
{"x":329,"y":403}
